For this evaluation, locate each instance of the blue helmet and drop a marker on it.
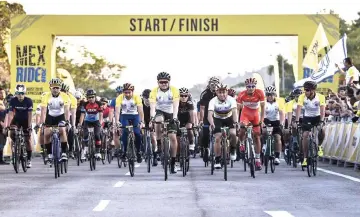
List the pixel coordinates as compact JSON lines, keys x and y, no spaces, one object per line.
{"x":119,"y":89}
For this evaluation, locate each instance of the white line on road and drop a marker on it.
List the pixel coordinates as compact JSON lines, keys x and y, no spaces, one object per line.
{"x":119,"y":184}
{"x":127,"y":174}
{"x":279,"y":213}
{"x":137,"y":165}
{"x":101,"y":206}
{"x":339,"y":174}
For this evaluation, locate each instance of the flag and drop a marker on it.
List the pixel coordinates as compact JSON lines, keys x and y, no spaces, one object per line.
{"x":319,"y":42}
{"x":326,"y":67}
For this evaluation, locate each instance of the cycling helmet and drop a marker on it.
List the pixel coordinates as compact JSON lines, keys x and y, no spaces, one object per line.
{"x":90,"y":92}
{"x":310,"y":85}
{"x":270,"y":89}
{"x":128,"y":86}
{"x":163,"y":75}
{"x":65,"y":87}
{"x":78,"y":95}
{"x":231,"y":92}
{"x":221,"y":86}
{"x":214,"y":80}
{"x":55,"y":82}
{"x":146,"y":93}
{"x":119,"y":89}
{"x":20,"y":88}
{"x":251,"y":81}
{"x":184,"y":90}
{"x":296,"y":92}
{"x":104,"y":99}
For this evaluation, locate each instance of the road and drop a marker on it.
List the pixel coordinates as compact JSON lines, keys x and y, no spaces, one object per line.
{"x":110,"y":191}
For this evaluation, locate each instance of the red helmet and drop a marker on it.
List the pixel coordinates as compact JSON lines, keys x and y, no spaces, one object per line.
{"x":251,"y":81}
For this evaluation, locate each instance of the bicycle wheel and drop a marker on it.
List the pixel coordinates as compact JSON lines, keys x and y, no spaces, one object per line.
{"x":23,"y":158}
{"x":310,"y":160}
{"x":272,"y":164}
{"x":56,"y":168}
{"x":245,"y":156}
{"x":182,"y":155}
{"x":266,"y":163}
{"x":16,"y":156}
{"x":315,"y":160}
{"x":252,"y":162}
{"x":119,"y":160}
{"x":91,"y":156}
{"x":77,"y":150}
{"x":103,"y":149}
{"x":131,"y":167}
{"x":187,"y":157}
{"x":166,"y":157}
{"x":110,"y":151}
{"x":212,"y":159}
{"x":294,"y":159}
{"x":224,"y":154}
{"x":43,"y":155}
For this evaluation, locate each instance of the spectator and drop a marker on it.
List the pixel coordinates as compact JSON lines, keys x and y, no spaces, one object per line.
{"x":351,"y":77}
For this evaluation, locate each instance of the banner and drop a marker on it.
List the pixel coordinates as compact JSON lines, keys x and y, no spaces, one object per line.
{"x":327,"y":65}
{"x":319,"y":42}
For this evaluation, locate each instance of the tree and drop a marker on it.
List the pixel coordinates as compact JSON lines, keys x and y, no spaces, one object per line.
{"x":96,"y":72}
{"x":7,"y":11}
{"x":288,"y":70}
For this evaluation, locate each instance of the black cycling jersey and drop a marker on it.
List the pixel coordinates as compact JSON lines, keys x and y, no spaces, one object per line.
{"x":205,"y":98}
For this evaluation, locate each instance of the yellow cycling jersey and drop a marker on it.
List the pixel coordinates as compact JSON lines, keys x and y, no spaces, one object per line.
{"x":55,"y":105}
{"x":73,"y":101}
{"x":128,"y":106}
{"x":272,"y":109}
{"x":312,"y":107}
{"x":164,"y":99}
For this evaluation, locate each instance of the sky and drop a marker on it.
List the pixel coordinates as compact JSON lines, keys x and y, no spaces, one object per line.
{"x":189,"y":60}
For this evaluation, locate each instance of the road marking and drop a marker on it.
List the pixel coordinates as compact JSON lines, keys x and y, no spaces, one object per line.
{"x":101,"y":206}
{"x":339,"y":174}
{"x":279,"y":213}
{"x":119,"y":184}
{"x":137,"y":165}
{"x":127,"y":174}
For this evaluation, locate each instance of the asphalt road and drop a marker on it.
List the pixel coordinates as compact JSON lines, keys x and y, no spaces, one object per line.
{"x":108,"y":191}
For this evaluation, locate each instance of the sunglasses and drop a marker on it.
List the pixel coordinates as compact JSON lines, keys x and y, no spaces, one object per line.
{"x":307,"y":90}
{"x":56,"y":88}
{"x":250,"y":86}
{"x":184,"y":96}
{"x":20,"y":93}
{"x":269,"y":94}
{"x":163,"y":82}
{"x":90,"y":97}
{"x":127,"y":92}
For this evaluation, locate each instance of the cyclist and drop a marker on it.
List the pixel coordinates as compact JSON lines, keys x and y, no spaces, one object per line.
{"x":131,"y":111}
{"x":91,"y":116}
{"x":250,"y":100}
{"x":54,"y":111}
{"x":205,"y":98}
{"x":186,"y":115}
{"x":314,"y":106}
{"x":20,"y":114}
{"x":80,"y":101}
{"x":119,"y":90}
{"x":71,"y":116}
{"x":146,"y":108}
{"x":164,"y":104}
{"x":223,"y":113}
{"x":274,"y":117}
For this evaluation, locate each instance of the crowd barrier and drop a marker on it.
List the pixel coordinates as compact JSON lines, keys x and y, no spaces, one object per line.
{"x":341,"y":143}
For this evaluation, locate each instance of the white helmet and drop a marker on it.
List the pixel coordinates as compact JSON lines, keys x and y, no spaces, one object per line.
{"x":78,"y":95}
{"x":20,"y":88}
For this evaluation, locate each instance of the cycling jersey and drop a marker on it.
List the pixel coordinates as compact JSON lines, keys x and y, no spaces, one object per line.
{"x":222,"y":110}
{"x":272,"y":109}
{"x":128,"y":106}
{"x":312,"y":107}
{"x":55,"y":105}
{"x":21,"y":109}
{"x":91,"y":111}
{"x":106,"y":112}
{"x":186,"y":107}
{"x":205,"y":98}
{"x":292,"y":106}
{"x":164,"y":100}
{"x":251,"y":101}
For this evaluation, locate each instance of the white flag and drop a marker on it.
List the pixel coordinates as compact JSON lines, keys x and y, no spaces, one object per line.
{"x":327,"y":65}
{"x":319,"y":42}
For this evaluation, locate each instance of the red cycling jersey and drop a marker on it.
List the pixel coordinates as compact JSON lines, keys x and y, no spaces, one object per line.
{"x":251,"y":104}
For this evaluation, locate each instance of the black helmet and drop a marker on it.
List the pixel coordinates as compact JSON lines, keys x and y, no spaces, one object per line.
{"x":146,"y":93}
{"x":90,"y":92}
{"x":297,"y":92}
{"x":163,"y":75}
{"x":310,"y":85}
{"x":104,"y":99}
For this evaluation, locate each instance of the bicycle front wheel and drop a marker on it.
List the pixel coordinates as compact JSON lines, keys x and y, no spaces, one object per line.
{"x":166,"y":157}
{"x":23,"y":158}
{"x":224,"y":154}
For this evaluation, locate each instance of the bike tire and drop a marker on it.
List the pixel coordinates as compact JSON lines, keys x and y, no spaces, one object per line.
{"x":119,"y":160}
{"x":109,"y":152}
{"x":62,"y":166}
{"x":266,"y":163}
{"x":294,"y":159}
{"x":224,"y":155}
{"x":77,"y":150}
{"x":187,"y":161}
{"x":16,"y":157}
{"x":43,"y":155}
{"x":272,"y":165}
{"x":56,"y":170}
{"x":252,"y":163}
{"x":24,"y":159}
{"x":103,"y":150}
{"x":131,"y":167}
{"x":66,"y":164}
{"x":315,"y":160}
{"x":166,"y":157}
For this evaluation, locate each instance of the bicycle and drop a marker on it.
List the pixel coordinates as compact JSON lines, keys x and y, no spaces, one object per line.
{"x":312,"y":157}
{"x":19,"y":154}
{"x":77,"y":145}
{"x":196,"y":141}
{"x":269,"y":155}
{"x":184,"y":151}
{"x":224,"y":149}
{"x":294,"y":154}
{"x":165,"y":154}
{"x":148,"y":148}
{"x":91,"y":143}
{"x":131,"y":150}
{"x":250,"y":150}
{"x":104,"y":145}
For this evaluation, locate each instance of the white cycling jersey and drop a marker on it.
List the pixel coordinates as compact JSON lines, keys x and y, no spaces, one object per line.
{"x":222,"y":110}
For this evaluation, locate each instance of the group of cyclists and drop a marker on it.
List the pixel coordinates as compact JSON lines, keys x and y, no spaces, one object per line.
{"x":219,"y":106}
